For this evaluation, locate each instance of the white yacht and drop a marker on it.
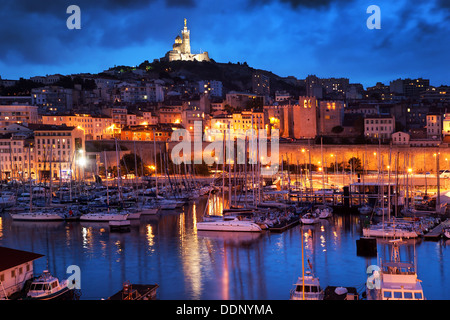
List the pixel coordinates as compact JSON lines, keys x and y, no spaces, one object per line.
{"x":47,"y":287}
{"x":391,"y":230}
{"x":228,"y":223}
{"x":307,"y":288}
{"x":310,"y":218}
{"x":104,"y":216}
{"x":36,"y":216}
{"x":396,"y":280}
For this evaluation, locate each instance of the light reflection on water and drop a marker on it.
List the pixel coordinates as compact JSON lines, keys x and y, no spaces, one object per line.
{"x":190,"y":264}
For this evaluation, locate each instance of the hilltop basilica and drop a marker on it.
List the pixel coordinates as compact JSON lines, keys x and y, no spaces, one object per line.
{"x":182,"y":49}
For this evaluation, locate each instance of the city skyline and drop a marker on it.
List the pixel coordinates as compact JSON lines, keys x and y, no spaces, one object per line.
{"x":290,"y":38}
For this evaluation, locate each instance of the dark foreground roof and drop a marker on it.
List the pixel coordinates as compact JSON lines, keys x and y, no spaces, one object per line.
{"x":10,"y":258}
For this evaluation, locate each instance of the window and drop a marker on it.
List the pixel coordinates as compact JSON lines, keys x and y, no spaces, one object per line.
{"x":398,"y":295}
{"x":418,"y":295}
{"x":387,"y":294}
{"x":407,"y":295}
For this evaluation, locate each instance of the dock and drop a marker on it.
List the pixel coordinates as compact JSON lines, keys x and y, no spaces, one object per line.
{"x":283,"y":226}
{"x":437,"y":231}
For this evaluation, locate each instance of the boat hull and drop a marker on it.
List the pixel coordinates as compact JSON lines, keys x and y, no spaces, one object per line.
{"x":36,"y":217}
{"x":389,"y":233}
{"x":103,"y":217}
{"x":53,"y":296}
{"x":240,"y":226}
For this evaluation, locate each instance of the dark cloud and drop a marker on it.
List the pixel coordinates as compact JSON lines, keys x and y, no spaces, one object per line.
{"x":314,"y":4}
{"x":294,"y":37}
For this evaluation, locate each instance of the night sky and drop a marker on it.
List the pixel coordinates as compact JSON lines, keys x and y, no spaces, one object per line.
{"x":328,"y":38}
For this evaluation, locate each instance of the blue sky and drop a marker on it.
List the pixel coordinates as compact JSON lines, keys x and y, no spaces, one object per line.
{"x":328,"y":38}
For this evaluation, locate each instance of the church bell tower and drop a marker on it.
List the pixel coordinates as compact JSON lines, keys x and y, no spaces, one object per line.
{"x":186,"y":46}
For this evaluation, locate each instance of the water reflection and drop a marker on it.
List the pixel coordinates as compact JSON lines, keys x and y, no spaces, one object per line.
{"x":188,"y":264}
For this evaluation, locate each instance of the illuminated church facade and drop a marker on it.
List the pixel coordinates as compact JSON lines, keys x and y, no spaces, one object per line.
{"x":182,"y":48}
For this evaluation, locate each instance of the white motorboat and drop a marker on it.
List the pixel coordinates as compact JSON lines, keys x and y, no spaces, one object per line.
{"x":307,"y":288}
{"x":230,"y":223}
{"x":395,"y":280}
{"x":104,"y":216}
{"x":392,"y":229}
{"x":310,"y":218}
{"x":36,"y":216}
{"x":47,"y":287}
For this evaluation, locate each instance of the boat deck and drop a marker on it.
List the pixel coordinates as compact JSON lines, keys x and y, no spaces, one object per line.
{"x":285,"y":225}
{"x":437,"y":231}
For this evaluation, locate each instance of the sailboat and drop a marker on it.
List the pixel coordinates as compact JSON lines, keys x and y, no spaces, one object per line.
{"x":396,"y":280}
{"x":307,"y":287}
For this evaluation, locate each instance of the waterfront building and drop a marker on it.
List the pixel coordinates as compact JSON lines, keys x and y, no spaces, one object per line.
{"x":16,"y":268}
{"x":59,"y":150}
{"x":14,"y":153}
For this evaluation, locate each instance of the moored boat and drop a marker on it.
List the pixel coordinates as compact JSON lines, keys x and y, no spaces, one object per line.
{"x":307,"y":288}
{"x":104,"y":216}
{"x":47,"y":287}
{"x":36,"y":216}
{"x":228,"y":224}
{"x":395,"y":280}
{"x":310,"y":218}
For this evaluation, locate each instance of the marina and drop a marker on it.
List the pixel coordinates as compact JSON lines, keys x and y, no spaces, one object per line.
{"x":169,"y":249}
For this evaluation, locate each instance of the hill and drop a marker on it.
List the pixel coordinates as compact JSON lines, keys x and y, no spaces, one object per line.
{"x":234,"y":76}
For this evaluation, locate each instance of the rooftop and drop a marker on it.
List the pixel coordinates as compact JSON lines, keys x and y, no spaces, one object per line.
{"x":10,"y":258}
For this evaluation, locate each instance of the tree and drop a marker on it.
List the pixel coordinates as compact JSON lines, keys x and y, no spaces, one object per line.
{"x":355,"y":164}
{"x":128,"y":165}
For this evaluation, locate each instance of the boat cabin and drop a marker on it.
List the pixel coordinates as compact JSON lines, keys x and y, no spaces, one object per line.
{"x":46,"y":287}
{"x":399,"y":282}
{"x":310,"y":287}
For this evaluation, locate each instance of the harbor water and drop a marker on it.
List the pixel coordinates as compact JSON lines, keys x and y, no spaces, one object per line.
{"x":166,"y":249}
